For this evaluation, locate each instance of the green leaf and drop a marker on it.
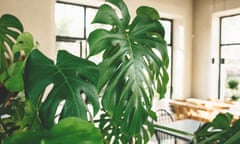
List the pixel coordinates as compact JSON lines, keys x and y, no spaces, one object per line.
{"x":13,"y":76}
{"x":11,"y":113}
{"x":10,"y":28}
{"x":30,"y":121}
{"x":222,"y":121}
{"x":235,"y":133}
{"x":15,"y":81}
{"x":71,"y":77}
{"x":28,"y":137}
{"x":133,"y":69}
{"x":74,"y":131}
{"x":24,"y":43}
{"x":124,"y":11}
{"x":103,"y":38}
{"x":220,"y":130}
{"x":150,"y":12}
{"x":234,"y":139}
{"x":106,"y":15}
{"x":69,"y":130}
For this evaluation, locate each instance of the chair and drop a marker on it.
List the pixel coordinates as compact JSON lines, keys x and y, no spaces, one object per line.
{"x":164,"y":117}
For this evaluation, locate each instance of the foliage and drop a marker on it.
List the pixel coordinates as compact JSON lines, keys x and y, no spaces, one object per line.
{"x":222,"y":130}
{"x":15,"y":46}
{"x":71,"y":77}
{"x":233,"y":84}
{"x":235,"y":97}
{"x":20,"y":117}
{"x":133,"y":70}
{"x":10,"y":28}
{"x":70,"y":130}
{"x":134,"y":65}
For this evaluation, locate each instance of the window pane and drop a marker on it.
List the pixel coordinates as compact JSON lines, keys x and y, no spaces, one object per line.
{"x":90,"y":13}
{"x":167,"y":26}
{"x":231,"y":29}
{"x":71,"y":47}
{"x":69,"y":20}
{"x":78,"y":48}
{"x":232,"y":60}
{"x":231,"y":69}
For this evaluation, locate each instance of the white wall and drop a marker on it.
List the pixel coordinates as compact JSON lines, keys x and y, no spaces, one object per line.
{"x":37,"y":17}
{"x":205,"y":46}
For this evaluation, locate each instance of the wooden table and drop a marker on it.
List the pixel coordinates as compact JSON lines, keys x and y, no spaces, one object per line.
{"x":220,"y":105}
{"x":198,"y":109}
{"x":182,"y":129}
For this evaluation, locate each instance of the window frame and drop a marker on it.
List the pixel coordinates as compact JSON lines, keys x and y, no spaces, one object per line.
{"x":74,"y":39}
{"x":221,"y":44}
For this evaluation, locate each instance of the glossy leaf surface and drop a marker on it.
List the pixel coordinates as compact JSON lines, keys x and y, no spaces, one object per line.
{"x":222,"y":130}
{"x":13,"y":76}
{"x":70,"y":77}
{"x":10,"y":28}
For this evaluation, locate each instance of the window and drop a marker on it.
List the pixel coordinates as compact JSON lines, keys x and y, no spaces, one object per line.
{"x":229,"y":50}
{"x":73,"y":26}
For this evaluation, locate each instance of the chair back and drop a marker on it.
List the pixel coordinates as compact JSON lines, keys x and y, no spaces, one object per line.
{"x":164,"y":117}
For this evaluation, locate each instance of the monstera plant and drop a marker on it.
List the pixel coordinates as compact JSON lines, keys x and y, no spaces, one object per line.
{"x":19,"y":122}
{"x":114,"y":95}
{"x":133,"y":69}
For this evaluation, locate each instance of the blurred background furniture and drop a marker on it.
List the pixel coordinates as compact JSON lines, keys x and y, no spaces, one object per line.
{"x":164,"y":117}
{"x":180,"y":131}
{"x":198,"y":109}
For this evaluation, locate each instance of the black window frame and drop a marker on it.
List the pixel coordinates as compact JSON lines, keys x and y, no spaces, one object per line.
{"x":74,"y":39}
